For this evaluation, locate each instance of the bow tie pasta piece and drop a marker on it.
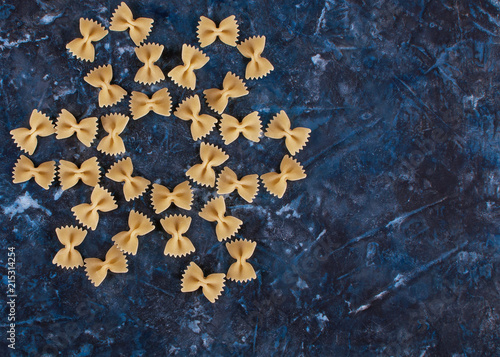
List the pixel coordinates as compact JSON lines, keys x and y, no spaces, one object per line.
{"x":202,"y":124}
{"x":141,"y":104}
{"x":139,"y":225}
{"x":82,"y":48}
{"x":24,"y":170}
{"x":40,"y":125}
{"x":227,"y":31}
{"x":113,"y":124}
{"x":101,"y":77}
{"x":250,"y":127}
{"x":204,"y":173}
{"x":181,"y":196}
{"x":215,"y":211}
{"x":71,"y":237}
{"x":176,"y":226}
{"x":193,"y":279}
{"x":258,"y":66}
{"x":247,"y":187}
{"x":123,"y":20}
{"x":97,"y":269}
{"x":183,"y":75}
{"x":85,"y":130}
{"x":232,"y":87}
{"x":149,"y":73}
{"x":279,"y":127}
{"x":241,"y":250}
{"x":88,"y":213}
{"x":70,"y":174}
{"x":133,"y":186}
{"x":276,"y":183}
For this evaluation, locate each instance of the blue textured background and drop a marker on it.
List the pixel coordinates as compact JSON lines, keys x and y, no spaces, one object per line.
{"x":389,"y":247}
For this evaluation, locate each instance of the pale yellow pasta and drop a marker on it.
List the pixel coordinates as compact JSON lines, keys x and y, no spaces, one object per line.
{"x":183,"y":75}
{"x":113,"y":124}
{"x":133,"y":186}
{"x":232,"y":87}
{"x":204,"y":173}
{"x":215,"y":211}
{"x":97,"y":270}
{"x":227,"y":31}
{"x":139,"y":225}
{"x":40,"y":125}
{"x":109,"y":94}
{"x":149,"y":73}
{"x":241,"y":250}
{"x":201,"y":124}
{"x":181,"y":196}
{"x":88,"y":213}
{"x":160,"y":103}
{"x":250,"y":127}
{"x":123,"y":20}
{"x":85,"y":130}
{"x":276,"y":183}
{"x":280,"y":127}
{"x":179,"y":245}
{"x":25,"y":170}
{"x":193,"y":279}
{"x":70,"y":173}
{"x":247,"y":186}
{"x":258,"y":66}
{"x":82,"y":48}
{"x":71,"y":237}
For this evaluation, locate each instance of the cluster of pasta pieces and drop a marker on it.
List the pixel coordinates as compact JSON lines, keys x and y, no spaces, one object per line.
{"x":162,"y":198}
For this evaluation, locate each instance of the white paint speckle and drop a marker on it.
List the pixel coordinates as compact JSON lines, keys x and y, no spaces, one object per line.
{"x":301,"y":284}
{"x":193,"y":325}
{"x":318,"y":61}
{"x":21,"y":204}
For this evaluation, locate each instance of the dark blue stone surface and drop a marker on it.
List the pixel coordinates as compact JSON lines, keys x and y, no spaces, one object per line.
{"x":390,"y":247}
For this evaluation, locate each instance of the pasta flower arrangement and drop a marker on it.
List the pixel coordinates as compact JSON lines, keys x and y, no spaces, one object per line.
{"x":208,"y":172}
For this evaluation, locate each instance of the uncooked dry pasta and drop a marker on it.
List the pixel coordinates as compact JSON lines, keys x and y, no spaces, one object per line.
{"x":211,"y":285}
{"x":232,"y":87}
{"x":215,"y":211}
{"x":258,"y":66}
{"x":82,"y":48}
{"x":113,"y":124}
{"x":148,"y":54}
{"x":178,"y":245}
{"x":201,"y":124}
{"x":183,"y":75}
{"x":227,"y":31}
{"x":211,"y":156}
{"x":280,"y":127}
{"x":87,"y":214}
{"x":88,"y":172}
{"x":133,"y":186}
{"x":162,"y":197}
{"x":71,"y":237}
{"x":101,"y":77}
{"x":139,"y":225}
{"x":160,"y":103}
{"x":241,"y":270}
{"x":25,"y":170}
{"x":123,"y":20}
{"x":97,"y":270}
{"x":40,"y":125}
{"x":85,"y":129}
{"x":249,"y":127}
{"x":247,"y":186}
{"x":276,"y":183}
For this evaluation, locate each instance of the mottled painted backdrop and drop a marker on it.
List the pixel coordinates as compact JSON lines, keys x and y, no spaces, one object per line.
{"x":389,"y":247}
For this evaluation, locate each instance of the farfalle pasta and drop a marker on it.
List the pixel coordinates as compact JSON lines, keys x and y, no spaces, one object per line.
{"x":201,"y":124}
{"x":241,"y":250}
{"x":276,"y":183}
{"x":227,"y":31}
{"x":97,"y":270}
{"x":82,"y":48}
{"x":25,"y":170}
{"x":232,"y":87}
{"x":250,"y":127}
{"x":71,"y":237}
{"x":101,"y":77}
{"x":160,"y":103}
{"x":258,"y":66}
{"x":88,"y":213}
{"x":204,"y":173}
{"x":123,"y":20}
{"x":70,"y":173}
{"x":280,"y":127}
{"x":40,"y":125}
{"x":162,"y":197}
{"x":215,"y":211}
{"x":148,"y":54}
{"x":247,"y":186}
{"x":133,"y":186}
{"x":211,"y":285}
{"x":183,"y":75}
{"x":113,"y":124}
{"x":139,"y":225}
{"x":85,"y":130}
{"x":179,"y":245}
